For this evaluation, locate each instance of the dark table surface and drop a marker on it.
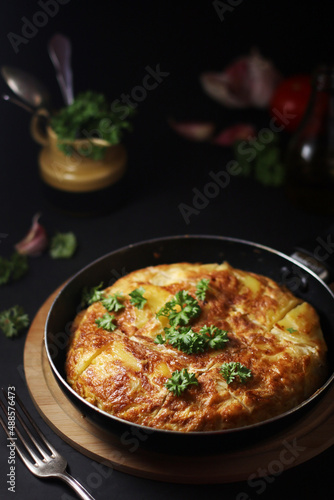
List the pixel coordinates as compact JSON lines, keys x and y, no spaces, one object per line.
{"x":113,"y":44}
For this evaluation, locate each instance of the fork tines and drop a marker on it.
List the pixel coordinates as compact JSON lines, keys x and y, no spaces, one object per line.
{"x":41,"y":458}
{"x":13,"y":432}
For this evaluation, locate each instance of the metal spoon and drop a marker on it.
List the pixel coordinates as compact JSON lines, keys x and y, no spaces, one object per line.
{"x":60,"y":50}
{"x":26,"y":86}
{"x":17,"y":102}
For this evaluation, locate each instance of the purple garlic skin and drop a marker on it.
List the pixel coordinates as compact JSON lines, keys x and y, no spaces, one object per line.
{"x":36,"y":240}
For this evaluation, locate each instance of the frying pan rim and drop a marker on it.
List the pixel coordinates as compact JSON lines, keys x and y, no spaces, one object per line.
{"x":158,"y":240}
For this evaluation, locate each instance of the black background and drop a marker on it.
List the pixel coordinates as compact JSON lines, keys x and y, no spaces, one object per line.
{"x":113,"y":43}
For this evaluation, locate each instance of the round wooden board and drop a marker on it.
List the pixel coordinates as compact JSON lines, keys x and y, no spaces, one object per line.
{"x":302,"y":440}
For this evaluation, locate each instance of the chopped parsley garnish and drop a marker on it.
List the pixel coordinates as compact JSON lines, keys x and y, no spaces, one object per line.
{"x":112,"y":302}
{"x":180,"y":380}
{"x":190,"y":342}
{"x":291,"y":330}
{"x":137,"y":298}
{"x":181,"y":309}
{"x":235,"y":369}
{"x":216,"y":338}
{"x":13,"y":268}
{"x":94,"y":294}
{"x":63,"y":245}
{"x":13,"y":320}
{"x":201,"y":289}
{"x":184,"y":339}
{"x":106,"y":322}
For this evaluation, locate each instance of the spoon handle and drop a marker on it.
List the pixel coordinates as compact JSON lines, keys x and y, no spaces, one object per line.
{"x":59,"y":49}
{"x":17,"y":102}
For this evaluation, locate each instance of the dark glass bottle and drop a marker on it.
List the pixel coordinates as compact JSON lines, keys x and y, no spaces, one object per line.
{"x":310,"y":156}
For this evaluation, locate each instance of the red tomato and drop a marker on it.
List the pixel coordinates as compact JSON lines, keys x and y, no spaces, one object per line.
{"x":289,"y":101}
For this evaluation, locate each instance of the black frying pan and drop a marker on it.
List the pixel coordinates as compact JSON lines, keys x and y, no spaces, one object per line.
{"x":241,"y":254}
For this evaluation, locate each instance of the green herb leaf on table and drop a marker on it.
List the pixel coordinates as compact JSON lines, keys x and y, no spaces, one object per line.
{"x":234,"y":369}
{"x":13,"y":320}
{"x":268,"y":168}
{"x":180,"y":381}
{"x":106,"y":322}
{"x":5,"y":270}
{"x":181,"y":309}
{"x":63,"y":245}
{"x":112,"y":302}
{"x":19,"y":265}
{"x":201,"y":289}
{"x":262,"y":161}
{"x":91,"y":295}
{"x":137,"y":298}
{"x":13,"y":268}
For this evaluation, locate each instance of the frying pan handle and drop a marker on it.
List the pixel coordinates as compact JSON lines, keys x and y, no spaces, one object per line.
{"x":318,"y":254}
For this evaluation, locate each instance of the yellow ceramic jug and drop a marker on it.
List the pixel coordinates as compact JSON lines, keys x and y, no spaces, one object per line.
{"x":76,"y":173}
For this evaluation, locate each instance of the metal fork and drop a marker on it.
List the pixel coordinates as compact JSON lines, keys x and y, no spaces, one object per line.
{"x":45,"y":465}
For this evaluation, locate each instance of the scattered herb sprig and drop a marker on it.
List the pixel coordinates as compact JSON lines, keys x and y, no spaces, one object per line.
{"x":112,"y":302}
{"x":106,"y":322}
{"x":190,"y":342}
{"x":291,"y":330}
{"x":180,"y":381}
{"x":137,"y":297}
{"x":181,"y":309}
{"x":215,"y":337}
{"x":235,"y":369}
{"x":184,"y":339}
{"x":13,"y":268}
{"x":91,"y":295}
{"x":13,"y":320}
{"x":63,"y":245}
{"x":201,"y":288}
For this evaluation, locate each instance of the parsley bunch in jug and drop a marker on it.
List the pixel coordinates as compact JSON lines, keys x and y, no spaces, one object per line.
{"x":90,"y":116}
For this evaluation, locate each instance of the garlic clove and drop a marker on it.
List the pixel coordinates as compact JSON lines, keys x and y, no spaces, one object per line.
{"x":196,"y":131}
{"x":36,"y":240}
{"x":239,"y":132}
{"x":248,"y":82}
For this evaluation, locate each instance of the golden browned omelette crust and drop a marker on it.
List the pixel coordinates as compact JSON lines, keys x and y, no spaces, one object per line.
{"x":271,"y":332}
